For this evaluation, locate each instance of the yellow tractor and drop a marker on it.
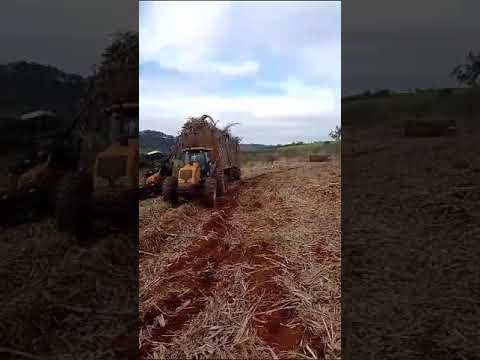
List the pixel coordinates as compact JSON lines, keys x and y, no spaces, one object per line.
{"x":28,"y":189}
{"x":32,"y":179}
{"x":154,"y":170}
{"x":196,"y":178}
{"x":152,"y":184}
{"x":39,"y":177}
{"x":206,"y":160}
{"x":110,"y":188}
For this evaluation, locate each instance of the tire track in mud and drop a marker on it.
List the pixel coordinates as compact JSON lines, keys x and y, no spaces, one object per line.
{"x":196,"y":271}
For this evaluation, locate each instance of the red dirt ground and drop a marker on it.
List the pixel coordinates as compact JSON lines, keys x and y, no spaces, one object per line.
{"x":213,"y":252}
{"x":196,"y":271}
{"x":271,"y":327}
{"x":322,"y":253}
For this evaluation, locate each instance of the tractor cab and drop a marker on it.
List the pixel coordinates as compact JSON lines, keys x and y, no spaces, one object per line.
{"x":123,"y":122}
{"x":116,"y":168}
{"x":198,"y":155}
{"x":197,"y":166}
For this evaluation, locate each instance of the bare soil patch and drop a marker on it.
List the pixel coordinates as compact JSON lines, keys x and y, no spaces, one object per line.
{"x":410,"y":240}
{"x":234,"y":258}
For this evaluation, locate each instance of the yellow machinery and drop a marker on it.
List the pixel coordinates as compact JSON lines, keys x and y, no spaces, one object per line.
{"x":111,"y":188}
{"x":39,"y":176}
{"x":158,"y":169}
{"x":93,"y":160}
{"x":197,"y":177}
{"x":151,"y":185}
{"x":33,"y":179}
{"x":208,"y":160}
{"x":52,"y":179}
{"x":32,"y":183}
{"x":197,"y":166}
{"x":116,"y":170}
{"x":154,"y":180}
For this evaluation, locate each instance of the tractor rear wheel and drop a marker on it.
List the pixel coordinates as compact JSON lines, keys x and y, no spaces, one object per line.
{"x":169,"y":189}
{"x":210,"y":195}
{"x":73,"y":212}
{"x":222,"y":186}
{"x":237,"y":173}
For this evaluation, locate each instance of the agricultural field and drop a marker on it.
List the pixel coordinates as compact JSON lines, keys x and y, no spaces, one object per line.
{"x":258,"y":276}
{"x":57,"y":293}
{"x":390,"y":112}
{"x":291,"y":152}
{"x":411,"y":209}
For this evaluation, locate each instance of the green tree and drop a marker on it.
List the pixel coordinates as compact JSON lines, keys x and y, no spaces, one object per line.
{"x":336,"y":134}
{"x":116,"y":77}
{"x":469,"y":72}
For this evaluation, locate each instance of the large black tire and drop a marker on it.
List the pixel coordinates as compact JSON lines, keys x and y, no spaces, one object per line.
{"x":73,"y":205}
{"x":210,"y":193}
{"x":124,"y":212}
{"x":222,"y":186}
{"x":51,"y":192}
{"x":237,"y":173}
{"x":169,"y":189}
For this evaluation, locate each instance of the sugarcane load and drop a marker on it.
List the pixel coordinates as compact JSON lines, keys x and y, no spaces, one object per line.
{"x":206,"y":160}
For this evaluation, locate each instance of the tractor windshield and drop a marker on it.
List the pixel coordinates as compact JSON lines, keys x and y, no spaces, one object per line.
{"x":123,"y":122}
{"x":197,"y":156}
{"x":126,"y":126}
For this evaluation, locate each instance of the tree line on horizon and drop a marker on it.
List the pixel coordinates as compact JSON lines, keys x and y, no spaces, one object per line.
{"x":466,"y":74}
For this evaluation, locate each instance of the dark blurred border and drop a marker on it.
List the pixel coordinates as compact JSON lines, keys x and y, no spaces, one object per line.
{"x":410,"y":180}
{"x":69,"y":276}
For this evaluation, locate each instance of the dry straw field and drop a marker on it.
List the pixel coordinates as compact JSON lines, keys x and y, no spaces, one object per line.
{"x":256,"y":277}
{"x":64,"y":299}
{"x":410,"y":241}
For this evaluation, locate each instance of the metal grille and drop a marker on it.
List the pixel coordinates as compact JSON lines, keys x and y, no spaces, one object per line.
{"x":112,"y":167}
{"x":185,"y":174}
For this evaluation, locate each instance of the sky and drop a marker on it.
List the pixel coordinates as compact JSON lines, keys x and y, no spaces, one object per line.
{"x":69,"y":35}
{"x":405,"y":44}
{"x":272,"y":67}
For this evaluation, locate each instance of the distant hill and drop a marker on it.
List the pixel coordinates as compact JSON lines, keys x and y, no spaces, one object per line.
{"x":446,"y":103}
{"x":156,"y":140}
{"x":30,"y":86}
{"x":255,"y":147}
{"x":27,"y":87}
{"x":386,"y":93}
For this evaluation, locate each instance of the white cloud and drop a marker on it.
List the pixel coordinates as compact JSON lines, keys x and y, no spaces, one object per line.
{"x":231,"y":58}
{"x":251,"y":128}
{"x":322,"y":62}
{"x":296,"y":88}
{"x":297,"y":103}
{"x":242,"y":69}
{"x":181,"y":35}
{"x":304,"y":114}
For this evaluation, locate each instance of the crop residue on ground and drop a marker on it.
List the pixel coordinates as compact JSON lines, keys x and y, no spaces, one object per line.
{"x":242,"y":279}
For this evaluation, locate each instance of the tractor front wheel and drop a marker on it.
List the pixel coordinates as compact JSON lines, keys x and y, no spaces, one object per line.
{"x":237,"y":173}
{"x":73,"y":212}
{"x":169,"y":189}
{"x":210,"y":192}
{"x":222,"y":186}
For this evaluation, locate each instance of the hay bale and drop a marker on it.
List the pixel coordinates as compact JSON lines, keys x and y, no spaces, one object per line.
{"x":429,"y":128}
{"x":319,"y":157}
